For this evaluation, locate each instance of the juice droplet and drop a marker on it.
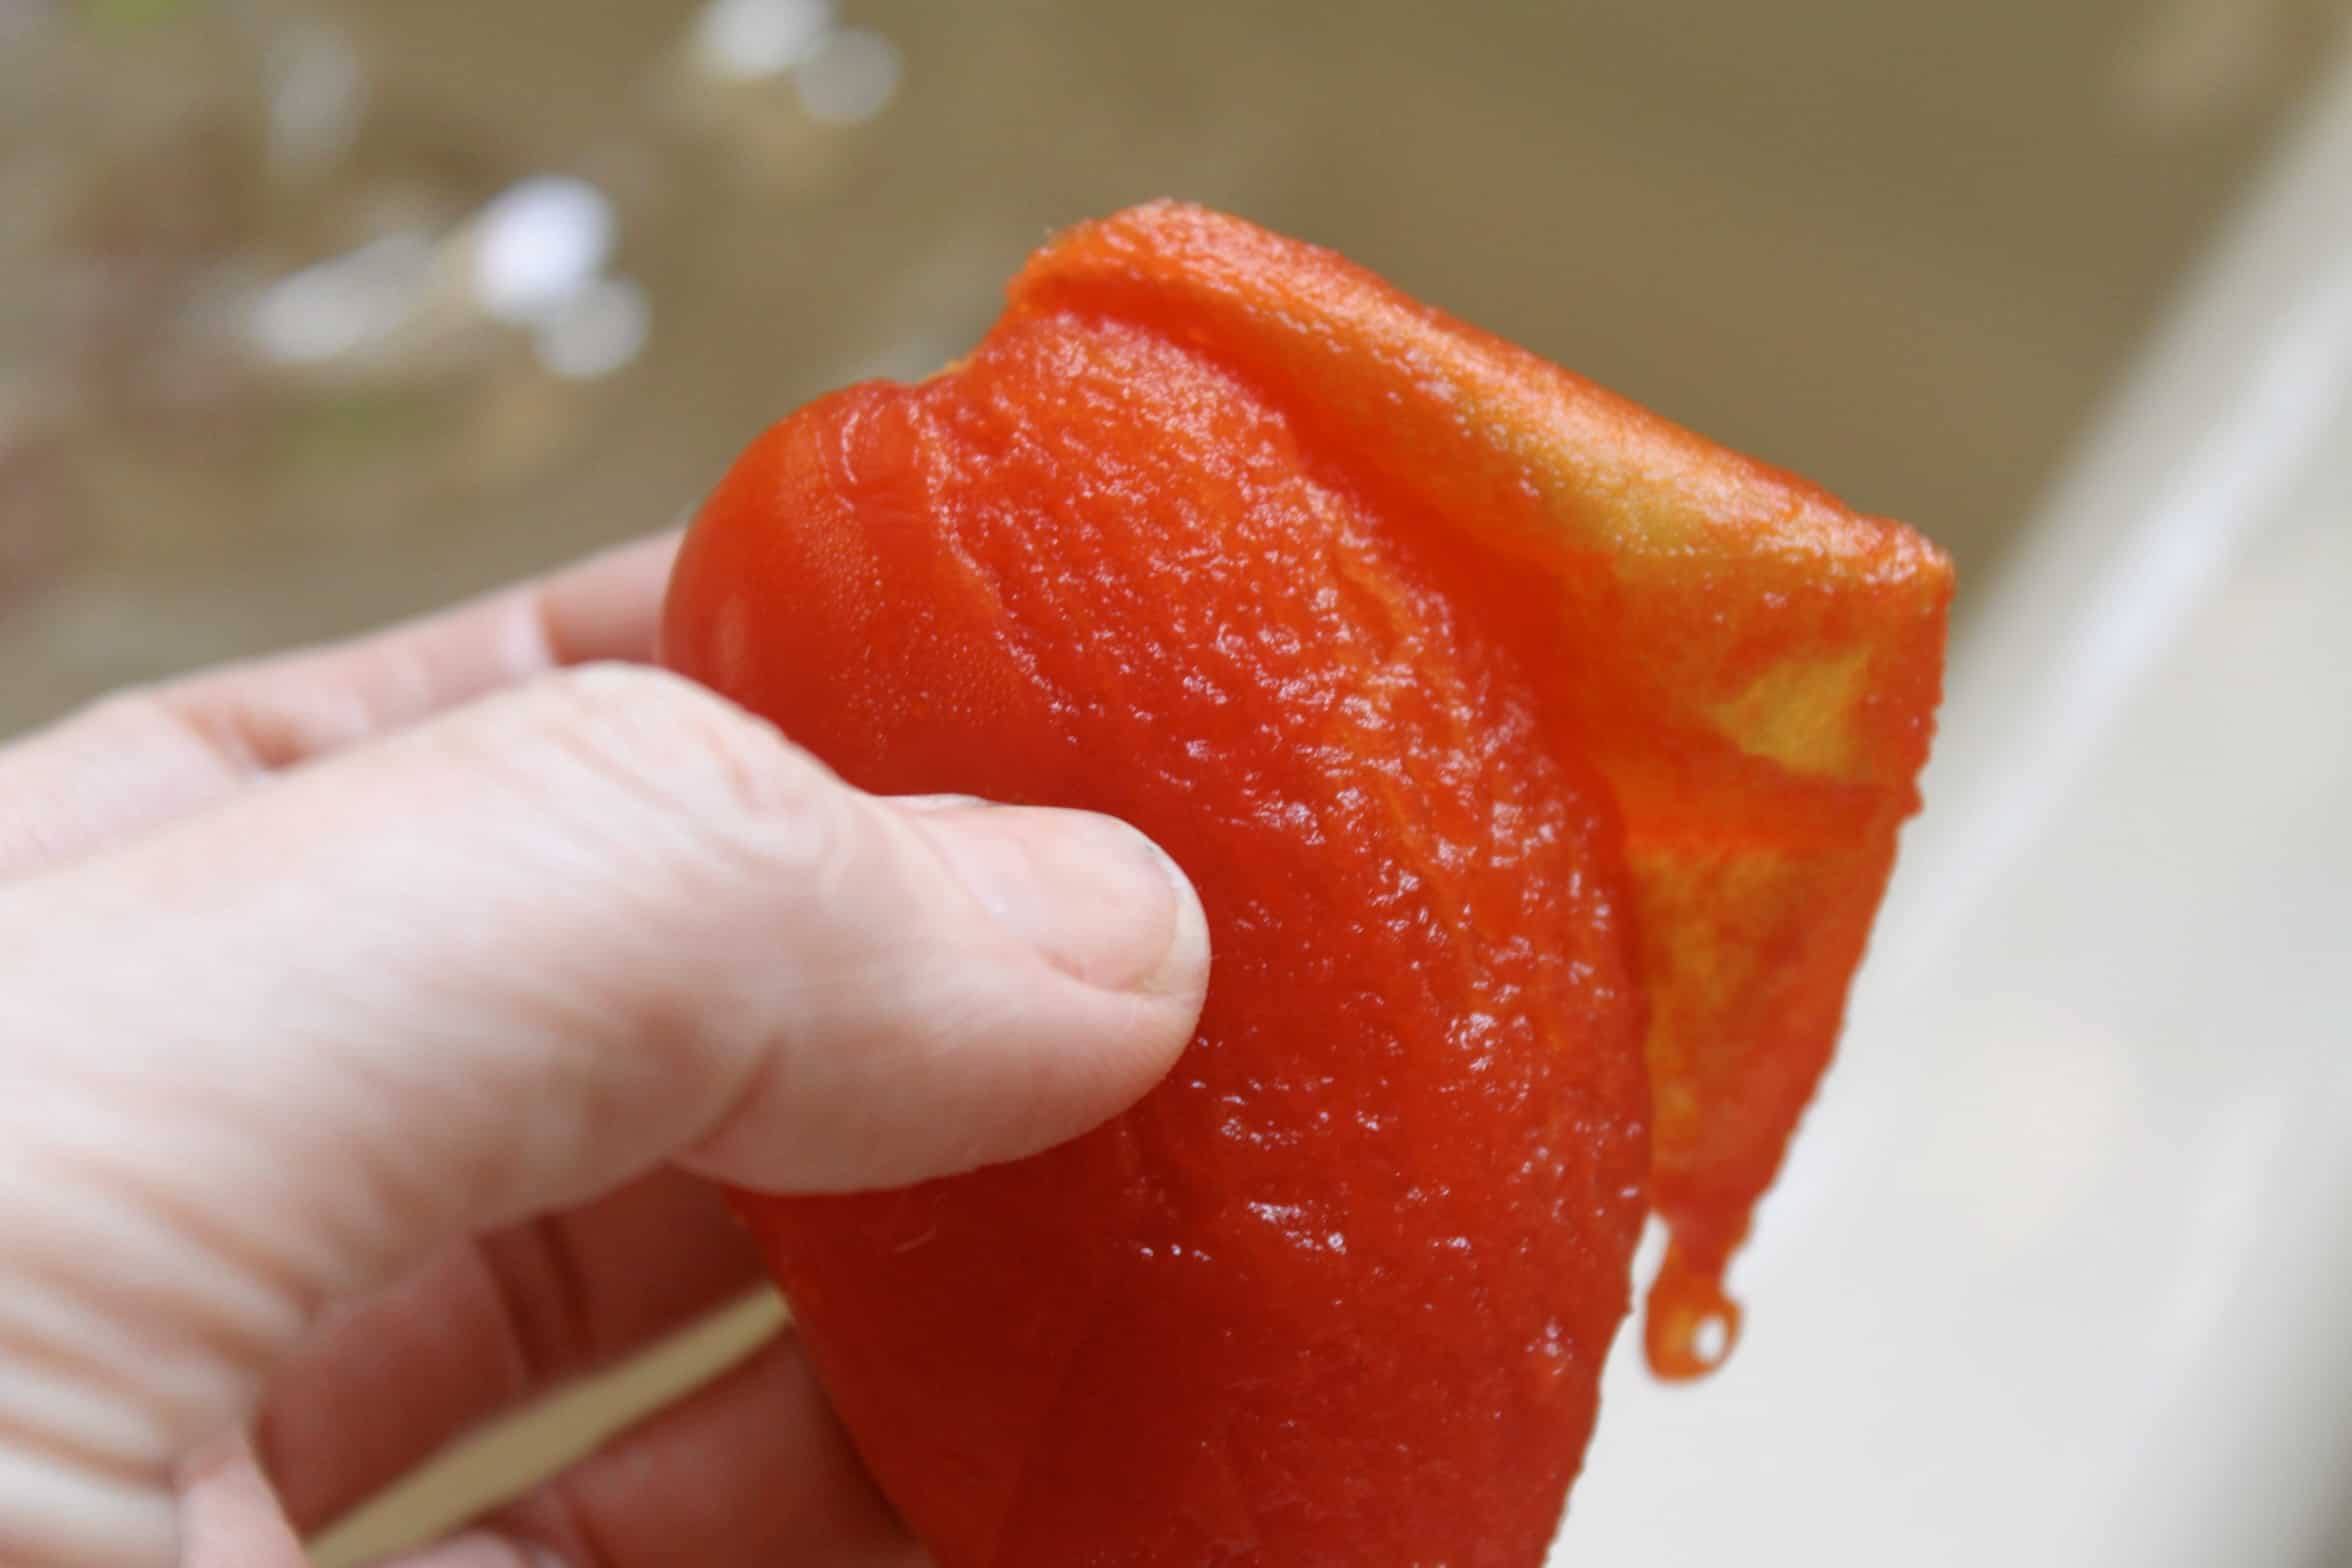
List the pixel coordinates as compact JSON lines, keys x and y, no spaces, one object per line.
{"x":1690,"y":1326}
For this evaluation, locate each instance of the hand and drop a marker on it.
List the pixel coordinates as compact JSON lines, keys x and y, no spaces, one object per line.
{"x":369,"y":1016}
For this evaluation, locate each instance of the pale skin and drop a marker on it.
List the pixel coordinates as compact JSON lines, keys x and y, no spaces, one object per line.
{"x":373,"y":1020}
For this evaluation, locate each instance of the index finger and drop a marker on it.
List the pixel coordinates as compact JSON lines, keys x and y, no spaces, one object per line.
{"x":138,"y":760}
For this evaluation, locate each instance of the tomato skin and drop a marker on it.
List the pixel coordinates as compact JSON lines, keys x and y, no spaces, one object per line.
{"x":1461,"y":690}
{"x":1340,"y":1288}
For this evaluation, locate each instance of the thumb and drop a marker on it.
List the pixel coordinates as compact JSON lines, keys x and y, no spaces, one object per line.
{"x":518,"y":955}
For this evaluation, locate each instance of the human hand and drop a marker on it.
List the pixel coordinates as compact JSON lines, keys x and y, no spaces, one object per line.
{"x":369,"y":1016}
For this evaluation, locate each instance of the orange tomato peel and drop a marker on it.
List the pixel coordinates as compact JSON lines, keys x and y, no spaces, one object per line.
{"x":1540,"y":765}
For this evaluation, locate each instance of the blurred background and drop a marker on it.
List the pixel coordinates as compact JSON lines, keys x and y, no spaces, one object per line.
{"x":315,"y":312}
{"x":318,"y":312}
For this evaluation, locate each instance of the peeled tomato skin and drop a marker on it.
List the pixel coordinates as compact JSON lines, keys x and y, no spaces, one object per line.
{"x":1751,"y":666}
{"x":1339,"y":1290}
{"x":1539,"y":766}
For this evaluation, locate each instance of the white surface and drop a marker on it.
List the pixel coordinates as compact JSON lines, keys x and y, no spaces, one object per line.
{"x":2057,"y":1273}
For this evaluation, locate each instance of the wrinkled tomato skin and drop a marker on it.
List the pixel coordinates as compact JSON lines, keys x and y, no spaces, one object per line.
{"x":1339,"y":1290}
{"x":1540,"y":766}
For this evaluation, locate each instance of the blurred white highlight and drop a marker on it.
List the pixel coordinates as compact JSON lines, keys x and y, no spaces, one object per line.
{"x":851,"y":78}
{"x":595,"y":331}
{"x":342,"y":306}
{"x":539,"y":243}
{"x":747,"y":40}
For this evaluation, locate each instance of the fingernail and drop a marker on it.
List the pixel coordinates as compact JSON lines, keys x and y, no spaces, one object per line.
{"x":1100,"y":901}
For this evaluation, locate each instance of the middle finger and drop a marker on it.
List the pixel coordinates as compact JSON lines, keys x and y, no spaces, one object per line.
{"x":498,"y":1322}
{"x":754,"y":1468}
